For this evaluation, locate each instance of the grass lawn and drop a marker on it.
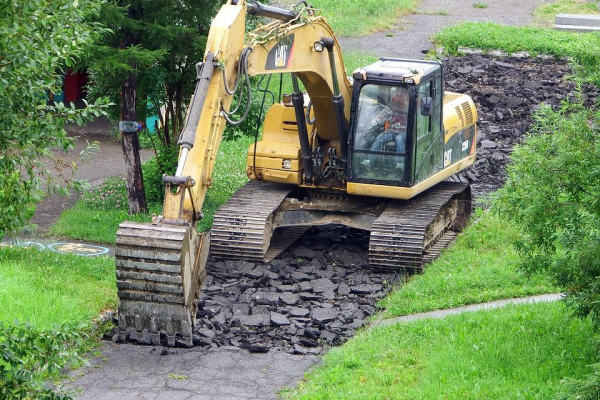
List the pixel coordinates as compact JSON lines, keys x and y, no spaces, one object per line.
{"x":482,"y":265}
{"x":46,"y":288}
{"x":520,"y":352}
{"x":544,"y":15}
{"x":96,"y":225}
{"x":355,"y":18}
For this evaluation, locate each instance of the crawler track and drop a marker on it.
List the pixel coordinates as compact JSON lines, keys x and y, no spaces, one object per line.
{"x":410,"y":233}
{"x":243,"y":226}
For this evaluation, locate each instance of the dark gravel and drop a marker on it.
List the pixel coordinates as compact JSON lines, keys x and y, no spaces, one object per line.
{"x":314,"y":295}
{"x":506,"y":91}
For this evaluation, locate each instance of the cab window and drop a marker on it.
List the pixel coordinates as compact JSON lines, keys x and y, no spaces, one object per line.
{"x":380,"y":136}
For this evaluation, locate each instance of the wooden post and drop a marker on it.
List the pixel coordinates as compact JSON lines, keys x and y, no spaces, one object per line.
{"x":131,"y":149}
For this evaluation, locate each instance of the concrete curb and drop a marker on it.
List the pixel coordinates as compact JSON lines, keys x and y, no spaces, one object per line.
{"x":438,"y":314}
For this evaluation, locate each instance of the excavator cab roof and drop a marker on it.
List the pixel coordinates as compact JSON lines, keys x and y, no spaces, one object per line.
{"x":397,"y":70}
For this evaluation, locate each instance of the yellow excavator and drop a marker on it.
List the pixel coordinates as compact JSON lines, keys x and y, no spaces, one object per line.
{"x":371,"y":151}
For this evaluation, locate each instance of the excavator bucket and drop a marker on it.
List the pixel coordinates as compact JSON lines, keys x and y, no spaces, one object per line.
{"x":160,"y":270}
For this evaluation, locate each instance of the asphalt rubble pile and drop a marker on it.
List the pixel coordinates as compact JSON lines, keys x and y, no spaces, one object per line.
{"x":314,"y":295}
{"x":320,"y":291}
{"x":506,"y":92}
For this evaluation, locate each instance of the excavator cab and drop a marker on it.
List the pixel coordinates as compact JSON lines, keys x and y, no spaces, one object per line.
{"x":395,"y":125}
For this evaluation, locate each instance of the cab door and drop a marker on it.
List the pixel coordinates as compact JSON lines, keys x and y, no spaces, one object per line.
{"x":428,"y":132}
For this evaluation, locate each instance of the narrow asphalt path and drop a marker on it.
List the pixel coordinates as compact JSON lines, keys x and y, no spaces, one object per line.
{"x":140,"y":372}
{"x":437,"y":314}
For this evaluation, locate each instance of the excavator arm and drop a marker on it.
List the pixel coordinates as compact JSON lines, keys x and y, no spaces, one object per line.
{"x":161,"y":266}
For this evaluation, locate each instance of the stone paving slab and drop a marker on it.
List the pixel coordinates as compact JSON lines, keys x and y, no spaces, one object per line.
{"x":141,"y":372}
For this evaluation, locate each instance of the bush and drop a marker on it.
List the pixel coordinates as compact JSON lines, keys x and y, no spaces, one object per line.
{"x":553,"y":194}
{"x":249,"y":126}
{"x":586,"y":388}
{"x":29,"y":356}
{"x":38,"y":41}
{"x":165,"y":162}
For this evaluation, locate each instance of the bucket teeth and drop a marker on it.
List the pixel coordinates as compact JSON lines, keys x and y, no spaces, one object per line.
{"x":160,"y":270}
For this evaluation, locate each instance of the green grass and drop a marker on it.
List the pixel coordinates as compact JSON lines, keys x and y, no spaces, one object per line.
{"x":582,"y":48}
{"x":100,"y":225}
{"x":544,"y":15}
{"x":489,"y":36}
{"x":481,"y":266}
{"x":46,"y":288}
{"x":480,"y":5}
{"x":355,"y":18}
{"x":520,"y":352}
{"x":95,"y":225}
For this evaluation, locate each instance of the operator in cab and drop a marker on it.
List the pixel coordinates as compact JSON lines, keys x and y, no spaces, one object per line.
{"x":384,"y":124}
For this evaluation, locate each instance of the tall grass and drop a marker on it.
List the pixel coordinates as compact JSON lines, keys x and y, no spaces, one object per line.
{"x":45,"y":288}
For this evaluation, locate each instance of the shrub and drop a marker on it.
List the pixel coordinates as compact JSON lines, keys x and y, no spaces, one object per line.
{"x":38,"y":41}
{"x":553,"y":194}
{"x":249,"y":126}
{"x":29,"y":356}
{"x":586,"y":388}
{"x":165,"y":162}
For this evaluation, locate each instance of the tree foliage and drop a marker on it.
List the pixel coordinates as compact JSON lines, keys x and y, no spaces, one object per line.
{"x":553,"y":193}
{"x":38,"y":40}
{"x":160,"y":41}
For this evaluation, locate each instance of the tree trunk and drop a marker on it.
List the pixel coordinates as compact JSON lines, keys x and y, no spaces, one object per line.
{"x":131,"y":149}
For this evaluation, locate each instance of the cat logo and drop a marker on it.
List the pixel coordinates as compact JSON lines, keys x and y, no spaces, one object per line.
{"x":280,"y":55}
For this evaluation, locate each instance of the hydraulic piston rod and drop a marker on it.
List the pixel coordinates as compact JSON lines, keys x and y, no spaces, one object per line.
{"x":262,"y":10}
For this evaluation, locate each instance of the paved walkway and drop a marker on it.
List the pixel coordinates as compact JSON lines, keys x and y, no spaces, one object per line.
{"x":140,"y":372}
{"x":413,"y":33}
{"x":470,"y":308}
